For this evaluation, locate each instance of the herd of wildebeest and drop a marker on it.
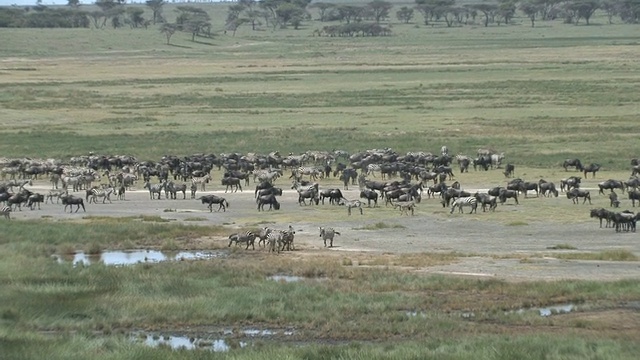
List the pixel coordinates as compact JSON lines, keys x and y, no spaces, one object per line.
{"x":400,"y":180}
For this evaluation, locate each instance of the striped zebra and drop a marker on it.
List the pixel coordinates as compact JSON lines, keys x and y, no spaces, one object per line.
{"x":248,"y":237}
{"x":350,"y":204}
{"x":6,"y":212}
{"x":310,"y":171}
{"x":155,"y":189}
{"x":372,"y":168}
{"x":278,"y":240}
{"x":200,"y":180}
{"x":105,"y":194}
{"x":328,"y":234}
{"x":469,"y":201}
{"x":444,"y":150}
{"x":405,"y":207}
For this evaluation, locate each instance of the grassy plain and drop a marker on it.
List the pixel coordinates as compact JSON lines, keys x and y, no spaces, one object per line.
{"x":540,"y":95}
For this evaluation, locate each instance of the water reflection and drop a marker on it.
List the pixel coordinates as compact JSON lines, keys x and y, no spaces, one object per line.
{"x":130,"y":257}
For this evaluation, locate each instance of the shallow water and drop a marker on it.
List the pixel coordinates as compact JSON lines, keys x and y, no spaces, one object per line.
{"x":188,"y":343}
{"x":131,"y":257}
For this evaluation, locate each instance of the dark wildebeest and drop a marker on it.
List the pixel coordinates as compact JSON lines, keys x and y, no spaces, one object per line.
{"x":71,"y":200}
{"x":272,"y":190}
{"x":633,"y":196}
{"x":613,"y":198}
{"x":591,"y":168}
{"x":268,"y":200}
{"x":506,"y":194}
{"x":572,"y":182}
{"x":213,"y":199}
{"x":547,"y":188}
{"x":509,"y":169}
{"x":575,"y":195}
{"x":231,"y":183}
{"x":369,"y":195}
{"x":334,"y":195}
{"x":610,"y":185}
{"x":572,"y":162}
{"x":486,"y":199}
{"x":601,"y":214}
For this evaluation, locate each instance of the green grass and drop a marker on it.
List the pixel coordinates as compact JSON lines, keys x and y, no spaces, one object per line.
{"x":540,"y":95}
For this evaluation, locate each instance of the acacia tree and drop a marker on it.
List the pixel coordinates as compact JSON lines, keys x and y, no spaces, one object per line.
{"x":193,"y":20}
{"x":156,"y":9}
{"x":405,"y":14}
{"x":488,"y":10}
{"x":431,"y":8}
{"x":168,"y":29}
{"x":531,"y":10}
{"x":379,"y":9}
{"x":323,"y":8}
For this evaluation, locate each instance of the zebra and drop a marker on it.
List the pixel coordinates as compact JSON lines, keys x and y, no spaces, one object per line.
{"x":405,"y":207}
{"x":278,"y":240}
{"x":249,"y":237}
{"x":55,"y":194}
{"x":155,"y":189}
{"x":350,"y":204}
{"x":312,"y":172}
{"x":470,"y":201}
{"x":6,"y":212}
{"x":105,"y":194}
{"x":444,"y":150}
{"x":201,"y":180}
{"x":372,"y":168}
{"x":328,"y":234}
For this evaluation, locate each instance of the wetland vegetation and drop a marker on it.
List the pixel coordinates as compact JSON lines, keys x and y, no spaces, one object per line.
{"x":540,"y":95}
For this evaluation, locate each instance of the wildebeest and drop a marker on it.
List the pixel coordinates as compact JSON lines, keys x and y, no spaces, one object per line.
{"x":572,"y":162}
{"x":370,"y":195}
{"x":547,"y":187}
{"x":610,"y":185}
{"x":268,"y":200}
{"x":273,"y":190}
{"x":572,"y":182}
{"x":506,"y":194}
{"x":486,"y":199}
{"x":35,"y":199}
{"x":509,"y":169}
{"x":575,"y":195}
{"x":602,"y":214}
{"x":232,"y":183}
{"x":634,"y":195}
{"x":625,"y":221}
{"x":334,"y":195}
{"x":613,"y":198}
{"x":528,"y":186}
{"x":591,"y":168}
{"x":214,"y":199}
{"x":70,"y":200}
{"x":328,"y":234}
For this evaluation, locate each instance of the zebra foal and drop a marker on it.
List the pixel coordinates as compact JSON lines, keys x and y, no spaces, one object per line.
{"x":328,"y":234}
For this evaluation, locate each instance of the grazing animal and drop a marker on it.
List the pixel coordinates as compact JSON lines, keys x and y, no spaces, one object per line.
{"x":55,"y":194}
{"x":232,"y":183}
{"x":576,"y":194}
{"x":35,"y":199}
{"x":469,"y":201}
{"x":572,"y":182}
{"x":268,"y":200}
{"x":6,"y":212}
{"x":155,"y":189}
{"x":506,"y":194}
{"x":601,"y":214}
{"x":249,"y":238}
{"x":214,"y":199}
{"x":70,"y":200}
{"x":105,"y":194}
{"x":591,"y":168}
{"x":610,"y":185}
{"x":328,"y":234}
{"x":547,"y":188}
{"x":613,"y":198}
{"x":634,"y":195}
{"x":486,"y":199}
{"x":527,"y":186}
{"x":350,"y":204}
{"x":201,"y":180}
{"x":572,"y":162}
{"x":405,"y":207}
{"x":370,"y":195}
{"x":509,"y":170}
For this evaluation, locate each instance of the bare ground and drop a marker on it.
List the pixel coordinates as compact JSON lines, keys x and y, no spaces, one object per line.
{"x":485,"y":247}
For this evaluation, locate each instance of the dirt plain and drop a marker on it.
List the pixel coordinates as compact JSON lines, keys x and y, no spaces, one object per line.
{"x":487,"y":247}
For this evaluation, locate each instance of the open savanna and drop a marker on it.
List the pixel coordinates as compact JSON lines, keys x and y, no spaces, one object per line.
{"x":539,"y":95}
